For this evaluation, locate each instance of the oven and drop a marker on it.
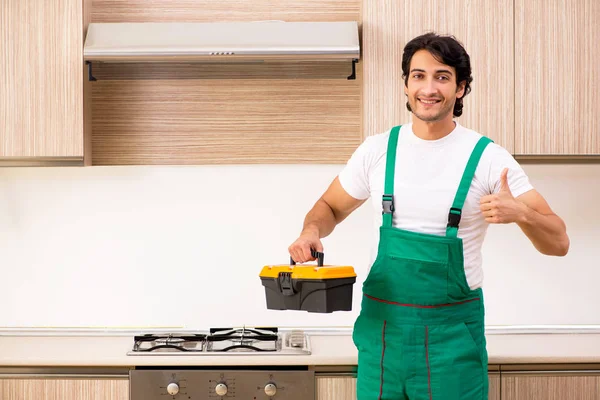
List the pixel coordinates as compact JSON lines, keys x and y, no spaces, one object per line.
{"x":205,"y":383}
{"x":255,"y":382}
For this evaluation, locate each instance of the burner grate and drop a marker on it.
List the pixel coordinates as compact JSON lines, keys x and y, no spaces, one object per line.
{"x":259,"y":340}
{"x":169,"y":342}
{"x":256,"y":339}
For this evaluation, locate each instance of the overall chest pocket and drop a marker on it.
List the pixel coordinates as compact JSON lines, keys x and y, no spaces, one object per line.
{"x":418,"y":281}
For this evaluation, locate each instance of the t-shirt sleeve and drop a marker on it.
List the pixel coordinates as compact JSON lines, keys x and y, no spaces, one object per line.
{"x":354,"y":177}
{"x":518,"y":181}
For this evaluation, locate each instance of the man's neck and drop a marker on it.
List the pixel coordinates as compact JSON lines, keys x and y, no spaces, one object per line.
{"x":432,"y":130}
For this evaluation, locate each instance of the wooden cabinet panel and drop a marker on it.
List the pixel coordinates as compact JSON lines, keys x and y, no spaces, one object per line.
{"x":64,"y":389}
{"x":230,"y":10}
{"x":487,"y":34}
{"x":336,"y":387}
{"x":556,"y":79}
{"x":494,"y":388}
{"x":41,"y":79}
{"x":550,"y":386}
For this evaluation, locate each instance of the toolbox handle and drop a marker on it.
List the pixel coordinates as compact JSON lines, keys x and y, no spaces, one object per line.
{"x":320,"y":256}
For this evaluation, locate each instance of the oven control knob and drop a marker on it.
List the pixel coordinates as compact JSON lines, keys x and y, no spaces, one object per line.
{"x":270,"y":389}
{"x":221,"y":389}
{"x":172,"y":388}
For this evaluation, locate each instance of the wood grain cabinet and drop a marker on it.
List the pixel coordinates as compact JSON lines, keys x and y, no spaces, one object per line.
{"x":344,"y":387}
{"x":487,"y":34}
{"x":494,"y":388}
{"x":41,"y":80}
{"x":64,"y":389}
{"x":550,"y":386}
{"x":336,"y":387}
{"x":556,"y":77}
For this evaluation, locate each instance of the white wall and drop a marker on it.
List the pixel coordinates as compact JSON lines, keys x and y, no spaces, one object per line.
{"x":183,"y":247}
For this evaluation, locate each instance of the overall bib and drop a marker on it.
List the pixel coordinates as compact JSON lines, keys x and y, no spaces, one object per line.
{"x":420,"y":333}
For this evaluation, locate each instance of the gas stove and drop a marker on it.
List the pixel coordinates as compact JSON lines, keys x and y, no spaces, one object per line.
{"x":223,"y":341}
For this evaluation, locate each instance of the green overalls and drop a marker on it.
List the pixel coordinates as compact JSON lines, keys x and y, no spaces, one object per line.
{"x":420,"y":333}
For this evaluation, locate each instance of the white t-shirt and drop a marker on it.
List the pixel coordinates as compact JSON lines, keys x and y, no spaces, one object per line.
{"x":427,"y":177}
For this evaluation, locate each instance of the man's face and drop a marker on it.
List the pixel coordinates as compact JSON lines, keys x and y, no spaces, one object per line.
{"x":431,"y":88}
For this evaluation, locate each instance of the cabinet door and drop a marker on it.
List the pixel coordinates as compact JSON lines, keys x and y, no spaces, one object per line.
{"x":41,"y":79}
{"x":556,"y":77}
{"x":64,"y":389}
{"x":550,"y":386}
{"x":336,"y":388}
{"x":487,"y":34}
{"x":494,"y":388}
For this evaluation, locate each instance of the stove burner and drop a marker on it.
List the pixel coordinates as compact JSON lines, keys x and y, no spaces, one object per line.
{"x":169,"y":341}
{"x":216,"y":340}
{"x":243,"y":338}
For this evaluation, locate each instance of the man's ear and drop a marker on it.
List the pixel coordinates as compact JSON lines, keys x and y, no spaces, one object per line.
{"x":460,"y":90}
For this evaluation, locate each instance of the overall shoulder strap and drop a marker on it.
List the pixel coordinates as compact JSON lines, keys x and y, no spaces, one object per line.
{"x":463,"y":187}
{"x":390,"y":168}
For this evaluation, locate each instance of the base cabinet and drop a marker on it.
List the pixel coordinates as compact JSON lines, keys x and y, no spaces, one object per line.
{"x":336,"y":387}
{"x":494,"y":388}
{"x":344,"y":387}
{"x":551,"y":386}
{"x":64,"y":389}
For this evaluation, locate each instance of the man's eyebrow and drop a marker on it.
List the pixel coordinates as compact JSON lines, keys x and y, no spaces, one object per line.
{"x":439,"y":71}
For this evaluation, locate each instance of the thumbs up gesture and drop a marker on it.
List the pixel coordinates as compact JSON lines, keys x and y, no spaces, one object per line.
{"x":502,"y":207}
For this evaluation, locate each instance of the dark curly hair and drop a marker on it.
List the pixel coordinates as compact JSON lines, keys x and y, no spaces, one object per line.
{"x":447,"y":50}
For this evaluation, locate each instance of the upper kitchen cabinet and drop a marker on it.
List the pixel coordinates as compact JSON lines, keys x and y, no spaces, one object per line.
{"x":487,"y":34}
{"x":556,"y":77}
{"x":195,"y":112}
{"x":41,"y":81}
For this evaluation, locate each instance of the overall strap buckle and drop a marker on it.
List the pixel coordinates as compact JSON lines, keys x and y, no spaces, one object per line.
{"x":454,"y":217}
{"x":388,"y":204}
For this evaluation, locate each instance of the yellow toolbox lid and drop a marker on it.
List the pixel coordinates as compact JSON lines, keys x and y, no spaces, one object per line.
{"x":309,"y":271}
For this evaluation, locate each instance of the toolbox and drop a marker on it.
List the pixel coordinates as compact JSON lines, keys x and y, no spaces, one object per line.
{"x":313,"y":288}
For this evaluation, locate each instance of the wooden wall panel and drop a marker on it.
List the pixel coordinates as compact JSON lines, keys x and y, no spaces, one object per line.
{"x":157,"y":114}
{"x":487,"y":34}
{"x":557,"y":79}
{"x":41,"y":79}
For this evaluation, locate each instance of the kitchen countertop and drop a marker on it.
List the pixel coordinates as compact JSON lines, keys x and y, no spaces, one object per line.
{"x":328,"y":348}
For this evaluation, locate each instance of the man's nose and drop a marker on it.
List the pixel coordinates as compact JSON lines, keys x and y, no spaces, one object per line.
{"x":430,"y":87}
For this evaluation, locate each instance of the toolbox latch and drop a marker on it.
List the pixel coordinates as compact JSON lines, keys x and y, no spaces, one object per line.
{"x":286,"y":285}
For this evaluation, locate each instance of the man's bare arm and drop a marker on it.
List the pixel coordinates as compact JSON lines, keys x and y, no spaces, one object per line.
{"x":334,"y":206}
{"x":546,"y":230}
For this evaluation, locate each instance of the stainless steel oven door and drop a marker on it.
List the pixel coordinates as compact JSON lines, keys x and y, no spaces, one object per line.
{"x":212,"y":384}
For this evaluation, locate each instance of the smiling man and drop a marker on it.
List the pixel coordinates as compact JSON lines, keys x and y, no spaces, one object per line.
{"x":436,"y":186}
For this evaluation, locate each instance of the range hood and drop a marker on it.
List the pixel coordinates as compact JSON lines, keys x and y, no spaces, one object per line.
{"x":222,"y":41}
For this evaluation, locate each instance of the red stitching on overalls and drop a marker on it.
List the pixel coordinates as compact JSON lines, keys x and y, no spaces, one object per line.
{"x":427,"y":361}
{"x":418,"y":305}
{"x":382,"y":355}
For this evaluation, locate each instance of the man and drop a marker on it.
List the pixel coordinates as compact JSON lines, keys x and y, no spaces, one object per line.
{"x":436,"y":186}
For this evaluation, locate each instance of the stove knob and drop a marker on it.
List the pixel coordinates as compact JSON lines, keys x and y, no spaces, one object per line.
{"x":172,"y":388}
{"x":221,"y":389}
{"x":270,"y":389}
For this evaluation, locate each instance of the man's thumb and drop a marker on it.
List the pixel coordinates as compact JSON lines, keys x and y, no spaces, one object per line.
{"x":504,"y":180}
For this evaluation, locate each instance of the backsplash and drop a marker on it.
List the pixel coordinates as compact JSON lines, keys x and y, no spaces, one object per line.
{"x":125,"y":247}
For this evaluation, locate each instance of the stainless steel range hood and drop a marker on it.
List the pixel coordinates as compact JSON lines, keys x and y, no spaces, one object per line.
{"x":222,"y":41}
